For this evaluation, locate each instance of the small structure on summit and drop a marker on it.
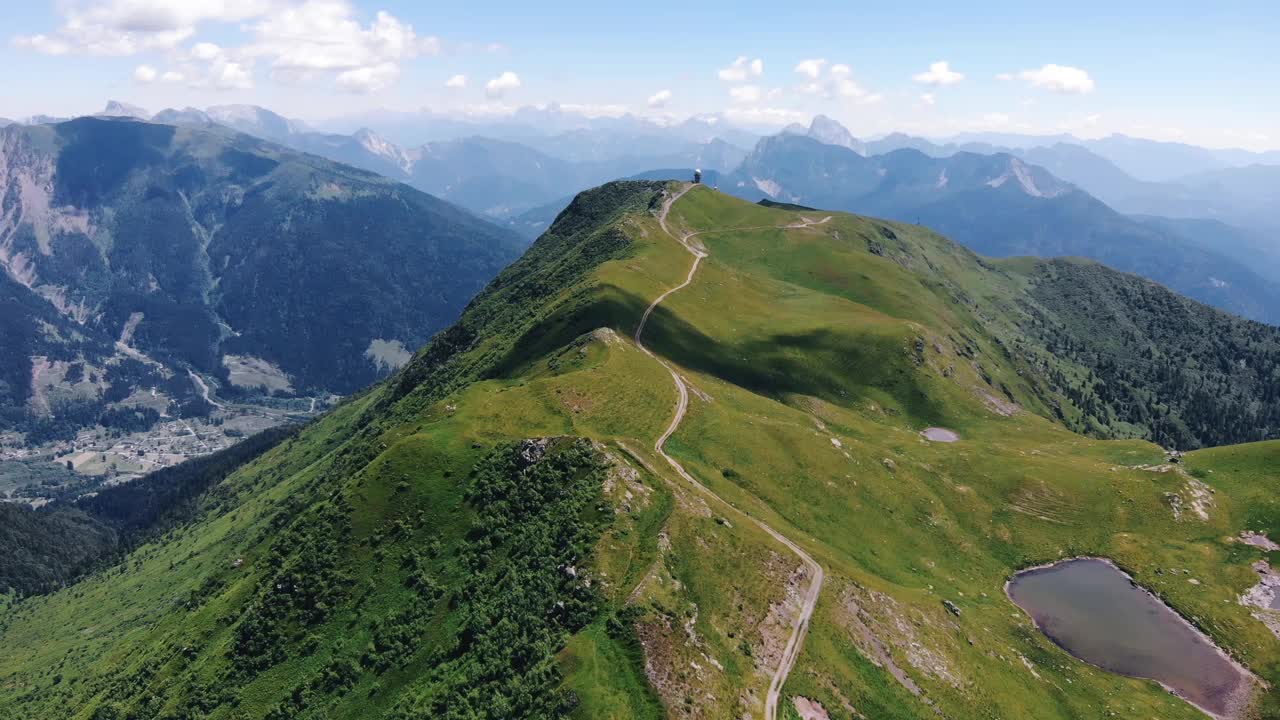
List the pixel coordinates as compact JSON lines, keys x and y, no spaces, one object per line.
{"x":697,"y":176}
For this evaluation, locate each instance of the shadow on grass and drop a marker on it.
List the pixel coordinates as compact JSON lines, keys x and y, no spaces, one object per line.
{"x":838,"y":367}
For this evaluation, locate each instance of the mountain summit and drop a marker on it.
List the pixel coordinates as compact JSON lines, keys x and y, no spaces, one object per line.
{"x":827,"y":131}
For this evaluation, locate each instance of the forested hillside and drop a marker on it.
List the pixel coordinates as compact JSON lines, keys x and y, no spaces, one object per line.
{"x":1159,"y":366}
{"x":49,"y":547}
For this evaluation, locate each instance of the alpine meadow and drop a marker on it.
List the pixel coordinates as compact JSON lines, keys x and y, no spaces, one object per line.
{"x":555,"y":369}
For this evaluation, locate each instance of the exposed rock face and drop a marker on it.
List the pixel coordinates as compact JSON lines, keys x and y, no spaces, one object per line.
{"x":1264,"y":597}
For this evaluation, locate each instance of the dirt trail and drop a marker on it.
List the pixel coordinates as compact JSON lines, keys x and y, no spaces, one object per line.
{"x":204,"y":389}
{"x":801,"y":626}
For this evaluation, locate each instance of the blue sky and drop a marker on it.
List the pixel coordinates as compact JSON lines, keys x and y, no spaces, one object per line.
{"x":1167,"y":70}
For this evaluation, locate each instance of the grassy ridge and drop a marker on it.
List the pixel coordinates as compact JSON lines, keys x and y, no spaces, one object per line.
{"x":403,"y":557}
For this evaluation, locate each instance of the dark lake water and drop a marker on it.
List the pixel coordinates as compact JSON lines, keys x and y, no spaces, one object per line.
{"x":1092,"y":611}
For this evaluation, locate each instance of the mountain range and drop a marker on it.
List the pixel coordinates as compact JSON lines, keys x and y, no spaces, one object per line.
{"x":494,"y":177}
{"x":1132,"y":175}
{"x":145,"y":252}
{"x":954,"y":189}
{"x":694,"y":457}
{"x":1235,"y":187}
{"x":523,"y":181}
{"x":998,"y":205}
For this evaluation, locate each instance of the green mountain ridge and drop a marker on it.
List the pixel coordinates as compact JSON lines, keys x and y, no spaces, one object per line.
{"x":1001,"y":206}
{"x":494,"y":532}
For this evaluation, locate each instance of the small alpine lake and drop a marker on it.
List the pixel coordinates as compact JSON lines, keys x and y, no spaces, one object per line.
{"x":1094,"y":611}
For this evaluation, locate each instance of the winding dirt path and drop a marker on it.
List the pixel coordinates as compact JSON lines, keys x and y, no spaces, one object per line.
{"x":801,"y":625}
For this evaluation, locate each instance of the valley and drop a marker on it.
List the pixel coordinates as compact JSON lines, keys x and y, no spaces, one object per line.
{"x":100,"y":457}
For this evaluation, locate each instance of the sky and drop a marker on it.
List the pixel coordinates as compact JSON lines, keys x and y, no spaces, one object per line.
{"x":1203,"y":73}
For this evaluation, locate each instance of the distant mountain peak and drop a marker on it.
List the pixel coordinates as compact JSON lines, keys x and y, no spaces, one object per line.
{"x":186,"y":116}
{"x":828,"y":131}
{"x":115,"y":108}
{"x":380,"y":146}
{"x":256,"y":120}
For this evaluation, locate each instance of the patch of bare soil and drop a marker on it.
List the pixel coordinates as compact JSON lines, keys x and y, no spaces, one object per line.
{"x":1265,"y":597}
{"x":677,"y":683}
{"x":810,"y":709}
{"x":998,"y":405}
{"x":1195,"y":496}
{"x":777,"y":626}
{"x":885,"y":631}
{"x":252,"y":372}
{"x":606,"y":336}
{"x":1256,"y":539}
{"x":39,"y":402}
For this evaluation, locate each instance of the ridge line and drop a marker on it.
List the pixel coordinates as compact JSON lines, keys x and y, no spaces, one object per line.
{"x":801,"y":626}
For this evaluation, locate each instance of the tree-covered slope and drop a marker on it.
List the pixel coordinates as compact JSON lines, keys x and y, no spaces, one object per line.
{"x":1160,"y":366}
{"x":192,"y":244}
{"x":495,"y":532}
{"x":51,"y":546}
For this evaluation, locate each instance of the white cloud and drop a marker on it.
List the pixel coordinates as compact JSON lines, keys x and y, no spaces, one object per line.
{"x":172,"y":76}
{"x":324,"y":35}
{"x":128,"y":27}
{"x":298,"y":39}
{"x":939,"y":73}
{"x":369,"y":79}
{"x":1004,"y":77}
{"x":741,"y":69}
{"x":498,"y":86}
{"x":1059,"y":78}
{"x":928,"y":99}
{"x":746,"y":93}
{"x":206,"y":51}
{"x":846,"y":86}
{"x":836,"y":81}
{"x":230,"y":76}
{"x":42,"y":44}
{"x":145,"y":74}
{"x":659,"y":99}
{"x":810,"y":68}
{"x":164,"y":15}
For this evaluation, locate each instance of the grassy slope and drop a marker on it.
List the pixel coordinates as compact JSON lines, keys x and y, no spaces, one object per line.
{"x":815,"y":356}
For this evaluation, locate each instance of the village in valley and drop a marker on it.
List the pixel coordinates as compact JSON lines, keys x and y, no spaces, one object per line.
{"x":100,"y":457}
